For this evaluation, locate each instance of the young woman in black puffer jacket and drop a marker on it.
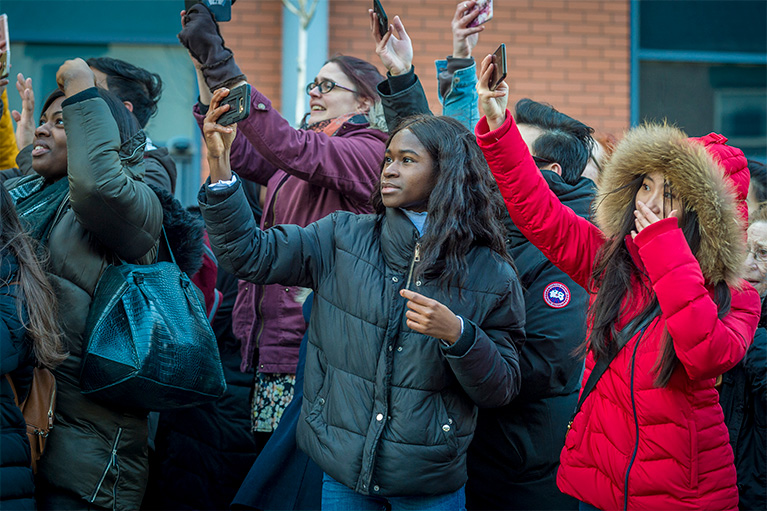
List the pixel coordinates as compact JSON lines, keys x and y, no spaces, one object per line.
{"x":417,"y":317}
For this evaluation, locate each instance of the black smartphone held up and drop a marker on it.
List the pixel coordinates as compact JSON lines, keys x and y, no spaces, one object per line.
{"x":239,"y":105}
{"x":221,"y":9}
{"x":499,"y":71}
{"x":383,"y":19}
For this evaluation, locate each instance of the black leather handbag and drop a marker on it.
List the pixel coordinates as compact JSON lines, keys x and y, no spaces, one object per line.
{"x":149,"y":343}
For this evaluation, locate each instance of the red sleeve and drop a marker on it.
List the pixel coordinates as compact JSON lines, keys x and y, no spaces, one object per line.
{"x":706,"y":345}
{"x":567,"y":240}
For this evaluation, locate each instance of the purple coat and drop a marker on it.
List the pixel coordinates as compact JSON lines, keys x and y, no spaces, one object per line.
{"x":307,"y":175}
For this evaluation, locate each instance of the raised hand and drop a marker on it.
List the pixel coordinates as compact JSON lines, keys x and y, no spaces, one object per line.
{"x":465,"y":37}
{"x":644,"y":217}
{"x":25,"y":121}
{"x":394,"y":49}
{"x":492,"y":102}
{"x":218,"y":139}
{"x":431,"y":318}
{"x":75,"y":76}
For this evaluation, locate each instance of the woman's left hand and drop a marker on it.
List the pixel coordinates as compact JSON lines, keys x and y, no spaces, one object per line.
{"x":429,"y":317}
{"x":643,"y":217}
{"x":75,"y":76}
{"x":394,"y":49}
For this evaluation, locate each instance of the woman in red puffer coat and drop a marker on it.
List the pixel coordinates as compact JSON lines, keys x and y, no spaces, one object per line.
{"x":668,"y":249}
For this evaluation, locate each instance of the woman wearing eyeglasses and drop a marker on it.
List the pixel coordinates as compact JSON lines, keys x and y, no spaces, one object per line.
{"x":330,"y":163}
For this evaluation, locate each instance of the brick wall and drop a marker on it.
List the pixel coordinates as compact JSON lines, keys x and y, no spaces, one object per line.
{"x":573,"y":54}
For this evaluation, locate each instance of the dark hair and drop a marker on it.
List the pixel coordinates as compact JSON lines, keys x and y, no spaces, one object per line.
{"x":564,"y":140}
{"x":36,"y":293}
{"x":53,"y":96}
{"x":758,"y":179}
{"x":362,"y":73}
{"x":613,"y":278}
{"x":127,"y":123}
{"x":465,"y":206}
{"x":131,"y":83}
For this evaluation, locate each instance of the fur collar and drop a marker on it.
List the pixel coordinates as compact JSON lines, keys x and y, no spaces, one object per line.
{"x":696,"y":179}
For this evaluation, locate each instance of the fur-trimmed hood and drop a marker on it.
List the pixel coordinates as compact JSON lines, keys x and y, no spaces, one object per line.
{"x":696,"y":179}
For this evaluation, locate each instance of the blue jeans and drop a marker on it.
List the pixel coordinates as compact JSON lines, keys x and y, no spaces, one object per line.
{"x":338,"y":497}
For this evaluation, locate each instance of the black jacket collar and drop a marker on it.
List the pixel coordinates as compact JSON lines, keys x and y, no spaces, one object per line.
{"x":398,"y":239}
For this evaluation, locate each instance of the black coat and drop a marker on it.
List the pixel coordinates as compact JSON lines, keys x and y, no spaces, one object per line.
{"x":743,"y":397}
{"x":515,"y":454}
{"x":17,"y":486}
{"x":398,"y":408}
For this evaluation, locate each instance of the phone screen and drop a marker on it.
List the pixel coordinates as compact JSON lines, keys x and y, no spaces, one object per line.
{"x":485,"y":8}
{"x":383,"y":20}
{"x":499,"y":72}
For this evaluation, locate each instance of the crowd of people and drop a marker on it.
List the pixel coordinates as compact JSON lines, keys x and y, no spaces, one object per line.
{"x":487,"y":309}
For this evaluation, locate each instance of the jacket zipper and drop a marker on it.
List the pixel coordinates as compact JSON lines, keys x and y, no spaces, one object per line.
{"x":263,"y":295}
{"x":636,"y":426}
{"x":112,"y":461}
{"x":416,"y":259}
{"x":50,"y":411}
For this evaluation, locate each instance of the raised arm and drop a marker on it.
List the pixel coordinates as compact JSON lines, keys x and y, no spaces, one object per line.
{"x":457,"y":75}
{"x":567,"y":240}
{"x":401,"y":93}
{"x":122,"y":212}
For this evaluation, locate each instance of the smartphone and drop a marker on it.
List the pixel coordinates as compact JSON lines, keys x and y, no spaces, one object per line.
{"x":221,"y":9}
{"x":5,"y":57}
{"x":499,"y":71}
{"x":485,"y":8}
{"x":383,"y":20}
{"x":239,"y":105}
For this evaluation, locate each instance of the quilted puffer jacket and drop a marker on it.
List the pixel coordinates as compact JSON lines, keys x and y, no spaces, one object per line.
{"x":386,"y":411}
{"x":635,"y":445}
{"x":95,"y":452}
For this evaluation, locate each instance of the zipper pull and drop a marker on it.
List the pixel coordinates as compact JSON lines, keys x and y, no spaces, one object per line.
{"x":416,"y":259}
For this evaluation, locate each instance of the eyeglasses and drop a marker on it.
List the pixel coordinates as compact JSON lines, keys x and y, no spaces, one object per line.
{"x":326,"y":86}
{"x":760,"y":253}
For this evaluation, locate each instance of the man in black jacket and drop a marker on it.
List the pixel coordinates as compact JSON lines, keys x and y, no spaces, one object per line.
{"x":514,"y":456}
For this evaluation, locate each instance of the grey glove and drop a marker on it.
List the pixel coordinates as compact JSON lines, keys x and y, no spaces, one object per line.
{"x":201,"y":37}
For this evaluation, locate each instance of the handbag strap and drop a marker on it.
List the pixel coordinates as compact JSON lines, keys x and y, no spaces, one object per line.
{"x":167,"y":244}
{"x":637,"y":324}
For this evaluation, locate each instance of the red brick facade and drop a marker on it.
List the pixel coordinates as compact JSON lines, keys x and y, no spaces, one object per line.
{"x":573,"y":54}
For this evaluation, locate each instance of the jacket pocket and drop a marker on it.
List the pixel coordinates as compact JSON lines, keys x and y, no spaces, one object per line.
{"x":314,"y":416}
{"x":448,"y":425}
{"x":111,"y":466}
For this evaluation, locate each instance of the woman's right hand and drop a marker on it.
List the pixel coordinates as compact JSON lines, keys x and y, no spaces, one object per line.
{"x":25,"y":121}
{"x":394,"y":49}
{"x":465,"y":37}
{"x":492,"y":102}
{"x":218,"y":138}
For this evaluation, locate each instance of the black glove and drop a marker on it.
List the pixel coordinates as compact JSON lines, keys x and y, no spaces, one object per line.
{"x":201,"y":37}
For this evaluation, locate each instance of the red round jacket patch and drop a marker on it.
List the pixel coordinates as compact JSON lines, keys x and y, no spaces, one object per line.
{"x":556,"y":295}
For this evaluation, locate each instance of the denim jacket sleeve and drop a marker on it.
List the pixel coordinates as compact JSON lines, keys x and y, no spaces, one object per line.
{"x":459,"y":101}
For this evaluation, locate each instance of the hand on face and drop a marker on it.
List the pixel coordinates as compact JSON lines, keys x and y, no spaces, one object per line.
{"x":75,"y":76}
{"x":465,"y":37}
{"x":644,"y":217}
{"x":429,"y":317}
{"x":395,"y":48}
{"x":492,"y":102}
